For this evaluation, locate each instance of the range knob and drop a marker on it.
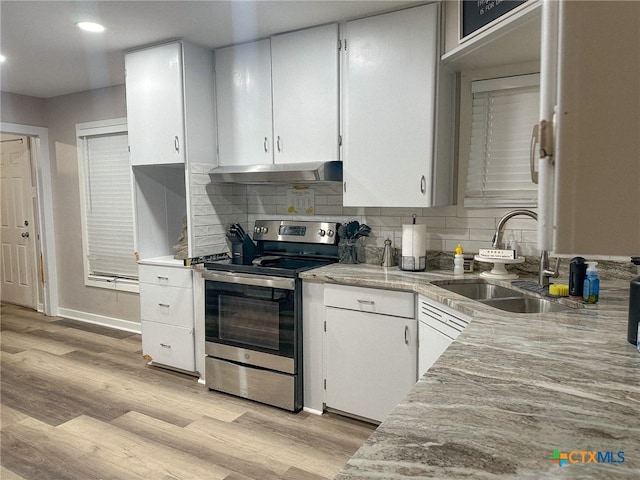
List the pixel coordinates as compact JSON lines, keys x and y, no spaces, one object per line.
{"x":321,"y":232}
{"x":264,"y":229}
{"x":330,"y":233}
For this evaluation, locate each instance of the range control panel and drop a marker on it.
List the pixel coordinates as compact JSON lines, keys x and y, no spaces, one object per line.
{"x":296,"y":231}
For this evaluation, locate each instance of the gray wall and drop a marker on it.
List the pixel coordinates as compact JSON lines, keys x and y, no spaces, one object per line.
{"x":60,"y":115}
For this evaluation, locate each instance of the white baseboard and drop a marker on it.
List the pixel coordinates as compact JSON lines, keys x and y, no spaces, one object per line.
{"x":117,"y":323}
{"x":313,"y":411}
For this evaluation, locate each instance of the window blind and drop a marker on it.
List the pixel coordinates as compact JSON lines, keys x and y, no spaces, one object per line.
{"x":109,"y":206}
{"x":504,"y":112}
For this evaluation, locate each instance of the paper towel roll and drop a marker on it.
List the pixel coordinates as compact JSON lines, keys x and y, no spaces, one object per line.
{"x":414,"y":247}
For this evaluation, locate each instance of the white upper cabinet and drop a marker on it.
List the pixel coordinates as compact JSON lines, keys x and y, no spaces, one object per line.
{"x":390,"y":110}
{"x":170,"y":104}
{"x":590,"y":98}
{"x":305,"y":95}
{"x":277,"y":99}
{"x":243,"y":94}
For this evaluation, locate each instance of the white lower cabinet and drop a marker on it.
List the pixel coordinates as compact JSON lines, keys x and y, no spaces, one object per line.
{"x":167,"y":313}
{"x":169,"y":345}
{"x":370,"y":349}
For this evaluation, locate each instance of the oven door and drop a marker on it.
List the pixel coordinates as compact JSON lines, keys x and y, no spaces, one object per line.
{"x":251,"y":319}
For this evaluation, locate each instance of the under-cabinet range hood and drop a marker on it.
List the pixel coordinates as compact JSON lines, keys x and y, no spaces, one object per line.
{"x":310,"y":172}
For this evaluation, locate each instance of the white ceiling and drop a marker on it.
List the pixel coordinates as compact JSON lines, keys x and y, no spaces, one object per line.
{"x":48,"y":56}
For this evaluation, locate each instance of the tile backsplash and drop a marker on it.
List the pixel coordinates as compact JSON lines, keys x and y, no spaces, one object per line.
{"x":215,"y":206}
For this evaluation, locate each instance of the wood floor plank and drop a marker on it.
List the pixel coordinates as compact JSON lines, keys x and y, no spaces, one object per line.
{"x":268,"y":444}
{"x":107,"y":395}
{"x":28,"y":341}
{"x":201,"y":446}
{"x":140,"y":455}
{"x":92,"y":328}
{"x":29,"y":450}
{"x":6,"y":474}
{"x":9,"y":416}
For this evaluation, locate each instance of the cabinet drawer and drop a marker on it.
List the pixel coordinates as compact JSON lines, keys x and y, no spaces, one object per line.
{"x":169,"y":345}
{"x":387,"y":302}
{"x":170,"y":305}
{"x":168,"y":276}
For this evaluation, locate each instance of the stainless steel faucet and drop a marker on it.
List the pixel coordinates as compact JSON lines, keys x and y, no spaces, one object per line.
{"x":544,"y":272}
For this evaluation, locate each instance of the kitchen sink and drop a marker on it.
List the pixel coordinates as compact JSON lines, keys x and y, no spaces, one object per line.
{"x":503,"y":298}
{"x":526,"y":304}
{"x":479,"y":290}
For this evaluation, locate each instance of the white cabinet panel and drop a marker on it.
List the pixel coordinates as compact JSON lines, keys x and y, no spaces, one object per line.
{"x":305,"y":95}
{"x":169,"y":345}
{"x":589,"y":86}
{"x":389,"y":109}
{"x":171,"y":305}
{"x":243,"y":93}
{"x":373,"y":300}
{"x":155,"y":108}
{"x":370,"y":362}
{"x":165,"y":276}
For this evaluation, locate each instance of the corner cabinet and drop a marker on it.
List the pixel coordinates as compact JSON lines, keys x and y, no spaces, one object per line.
{"x":277,"y":99}
{"x":396,"y":111}
{"x":370,"y":349}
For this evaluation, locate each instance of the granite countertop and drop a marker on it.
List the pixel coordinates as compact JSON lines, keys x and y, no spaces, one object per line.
{"x":510,"y":391}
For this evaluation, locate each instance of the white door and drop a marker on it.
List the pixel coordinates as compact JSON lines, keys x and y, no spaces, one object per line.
{"x":389,"y":108}
{"x":593,"y":83}
{"x":155,"y":105}
{"x":243,"y":101}
{"x":18,"y":235}
{"x":305,"y":95}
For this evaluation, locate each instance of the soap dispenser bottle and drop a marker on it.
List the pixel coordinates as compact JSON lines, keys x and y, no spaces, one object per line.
{"x":458,"y":261}
{"x":591,"y":288}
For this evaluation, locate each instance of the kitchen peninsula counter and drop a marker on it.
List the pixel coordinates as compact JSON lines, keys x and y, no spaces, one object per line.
{"x":511,"y":390}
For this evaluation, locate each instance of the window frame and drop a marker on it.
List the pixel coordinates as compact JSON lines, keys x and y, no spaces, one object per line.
{"x":88,"y":129}
{"x":465,"y":111}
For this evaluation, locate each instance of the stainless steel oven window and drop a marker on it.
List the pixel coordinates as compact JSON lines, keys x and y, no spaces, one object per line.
{"x":249,"y":321}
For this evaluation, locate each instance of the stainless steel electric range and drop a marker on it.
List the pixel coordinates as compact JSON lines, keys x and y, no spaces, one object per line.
{"x":253,"y":311}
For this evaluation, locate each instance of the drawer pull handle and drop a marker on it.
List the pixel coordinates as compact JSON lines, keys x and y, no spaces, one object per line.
{"x":162,"y":277}
{"x":164,"y":345}
{"x":406,"y":335}
{"x":366,"y":302}
{"x":165,"y":305}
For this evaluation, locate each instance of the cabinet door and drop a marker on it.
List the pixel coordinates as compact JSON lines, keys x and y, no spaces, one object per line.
{"x":389,"y":108}
{"x":305,"y":95}
{"x":155,"y":105}
{"x":243,"y":93}
{"x":370,"y":361}
{"x":589,"y":85}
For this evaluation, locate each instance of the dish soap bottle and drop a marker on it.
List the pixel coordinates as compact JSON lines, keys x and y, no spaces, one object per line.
{"x":591,"y":288}
{"x":458,"y":261}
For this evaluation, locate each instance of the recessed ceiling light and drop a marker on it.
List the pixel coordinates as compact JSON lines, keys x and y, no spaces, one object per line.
{"x":90,"y":27}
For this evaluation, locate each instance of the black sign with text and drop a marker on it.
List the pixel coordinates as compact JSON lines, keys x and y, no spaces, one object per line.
{"x":478,"y":13}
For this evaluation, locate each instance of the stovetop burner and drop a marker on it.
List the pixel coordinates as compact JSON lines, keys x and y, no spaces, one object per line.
{"x":284,"y":267}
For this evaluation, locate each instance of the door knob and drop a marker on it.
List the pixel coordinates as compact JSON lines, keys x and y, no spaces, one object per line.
{"x":25,"y":235}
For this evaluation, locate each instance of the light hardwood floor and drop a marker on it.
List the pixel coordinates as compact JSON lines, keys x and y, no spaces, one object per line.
{"x":79,"y":402}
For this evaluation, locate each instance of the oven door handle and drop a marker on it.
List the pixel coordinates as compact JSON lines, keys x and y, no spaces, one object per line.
{"x":247,"y":279}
